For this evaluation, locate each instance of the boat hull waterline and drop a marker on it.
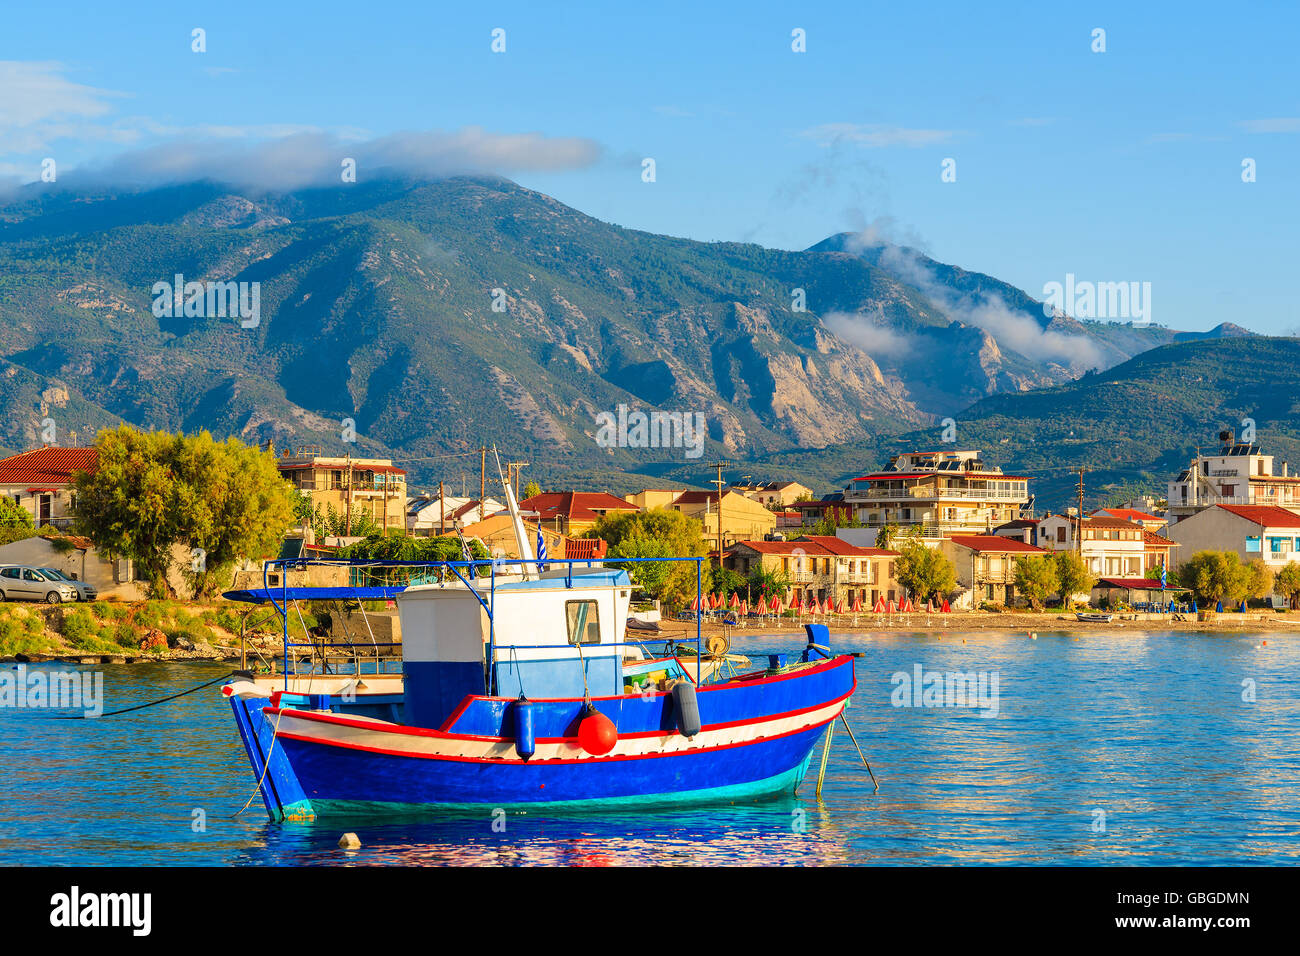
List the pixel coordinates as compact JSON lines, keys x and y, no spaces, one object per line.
{"x":756,"y":740}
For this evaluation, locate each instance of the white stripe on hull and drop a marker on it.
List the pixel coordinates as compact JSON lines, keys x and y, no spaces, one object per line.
{"x":481,"y":749}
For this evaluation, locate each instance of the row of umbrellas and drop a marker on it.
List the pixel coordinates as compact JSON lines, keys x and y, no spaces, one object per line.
{"x":715,"y":602}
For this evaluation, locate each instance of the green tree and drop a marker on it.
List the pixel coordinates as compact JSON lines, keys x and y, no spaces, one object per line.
{"x":657,"y":533}
{"x":1287,"y":583}
{"x":153,"y":491}
{"x":1072,"y":576}
{"x":1259,"y":580}
{"x":15,"y":521}
{"x":397,"y":545}
{"x":925,"y":572}
{"x":729,"y":582}
{"x":1036,"y":578}
{"x":886,"y":535}
{"x":1215,"y":576}
{"x":238,"y":506}
{"x":768,"y":582}
{"x":532,"y":490}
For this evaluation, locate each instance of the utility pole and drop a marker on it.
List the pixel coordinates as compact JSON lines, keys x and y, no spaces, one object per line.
{"x":442,"y":507}
{"x":482,"y":480}
{"x":513,"y":468}
{"x":719,"y":465}
{"x":1079,"y":536}
{"x":348,"y":492}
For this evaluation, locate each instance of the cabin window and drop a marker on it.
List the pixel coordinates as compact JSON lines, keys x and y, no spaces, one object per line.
{"x":584,"y":622}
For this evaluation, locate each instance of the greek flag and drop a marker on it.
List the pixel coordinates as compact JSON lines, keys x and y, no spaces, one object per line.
{"x":1163,"y":579}
{"x":541,"y":551}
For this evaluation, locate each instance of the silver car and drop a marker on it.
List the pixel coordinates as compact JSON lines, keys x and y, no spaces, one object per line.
{"x":19,"y":581}
{"x":85,"y":591}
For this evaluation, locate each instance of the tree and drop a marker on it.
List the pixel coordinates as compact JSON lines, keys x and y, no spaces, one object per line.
{"x":886,"y":535}
{"x":1287,"y":583}
{"x":532,"y":490}
{"x":657,"y":533}
{"x":397,"y":545}
{"x":1072,"y":576}
{"x":924,"y":571}
{"x":769,"y":583}
{"x":1215,"y":576}
{"x":153,"y":491}
{"x":238,"y":505}
{"x":1036,"y":578}
{"x":15,"y":521}
{"x":728,"y":582}
{"x":1259,"y":580}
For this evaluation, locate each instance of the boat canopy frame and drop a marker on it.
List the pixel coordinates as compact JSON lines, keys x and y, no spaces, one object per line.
{"x":279,"y":597}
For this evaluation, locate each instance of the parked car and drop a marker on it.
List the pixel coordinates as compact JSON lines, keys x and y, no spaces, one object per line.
{"x":85,"y":592}
{"x":20,"y":582}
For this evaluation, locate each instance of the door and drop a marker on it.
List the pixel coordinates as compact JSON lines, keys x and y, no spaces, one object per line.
{"x":11,"y":582}
{"x":34,"y":584}
{"x":46,"y":506}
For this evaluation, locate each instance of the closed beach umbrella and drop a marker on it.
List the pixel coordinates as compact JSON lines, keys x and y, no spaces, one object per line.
{"x":761,"y":606}
{"x":841,"y":607}
{"x":880,"y":606}
{"x":1219,"y":607}
{"x":945,"y":608}
{"x":695,"y":604}
{"x":891,"y":607}
{"x":929,"y":607}
{"x":775,"y":606}
{"x":744,"y":608}
{"x":857,"y":604}
{"x":796,"y":604}
{"x":735,"y":599}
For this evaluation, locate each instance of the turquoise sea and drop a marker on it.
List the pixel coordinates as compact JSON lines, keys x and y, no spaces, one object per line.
{"x":1106,"y":748}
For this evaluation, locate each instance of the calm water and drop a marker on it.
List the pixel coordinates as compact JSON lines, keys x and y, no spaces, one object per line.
{"x":1146,"y":734}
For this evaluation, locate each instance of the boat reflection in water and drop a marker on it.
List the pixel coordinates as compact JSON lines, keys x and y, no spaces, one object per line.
{"x":781,"y":832}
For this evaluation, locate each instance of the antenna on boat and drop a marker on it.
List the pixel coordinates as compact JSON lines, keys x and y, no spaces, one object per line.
{"x":530,"y":571}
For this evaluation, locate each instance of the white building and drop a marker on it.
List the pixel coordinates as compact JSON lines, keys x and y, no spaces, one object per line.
{"x":1240,"y":474}
{"x":940,"y":493}
{"x":1254,"y":532}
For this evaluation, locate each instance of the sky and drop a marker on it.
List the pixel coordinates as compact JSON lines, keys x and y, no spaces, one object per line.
{"x":1115,"y":165}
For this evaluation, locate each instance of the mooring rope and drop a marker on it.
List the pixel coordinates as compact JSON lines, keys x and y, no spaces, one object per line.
{"x":127,"y":710}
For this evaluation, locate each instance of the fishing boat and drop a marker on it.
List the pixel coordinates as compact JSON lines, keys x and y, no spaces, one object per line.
{"x":1093,"y":618}
{"x":520,"y":687}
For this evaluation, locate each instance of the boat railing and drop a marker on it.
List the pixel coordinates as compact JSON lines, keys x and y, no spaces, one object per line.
{"x":479,"y":576}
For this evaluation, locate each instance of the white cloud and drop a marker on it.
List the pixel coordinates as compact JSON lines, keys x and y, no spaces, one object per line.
{"x":306,"y":157}
{"x":1278,"y":124}
{"x":869,"y":334}
{"x":876,"y":135}
{"x":1012,"y":329}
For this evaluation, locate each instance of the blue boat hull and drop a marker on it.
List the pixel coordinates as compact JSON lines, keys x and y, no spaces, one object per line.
{"x":367,"y":784}
{"x":757,"y":739}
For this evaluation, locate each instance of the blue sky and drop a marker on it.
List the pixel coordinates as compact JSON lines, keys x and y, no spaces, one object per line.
{"x":1117,"y":166}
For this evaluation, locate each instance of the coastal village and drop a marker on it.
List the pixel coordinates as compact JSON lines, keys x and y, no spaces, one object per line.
{"x":775,"y":549}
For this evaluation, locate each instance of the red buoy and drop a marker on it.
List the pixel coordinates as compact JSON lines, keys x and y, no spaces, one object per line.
{"x":596,"y":733}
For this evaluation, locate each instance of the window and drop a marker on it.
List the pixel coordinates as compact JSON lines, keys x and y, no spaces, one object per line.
{"x":11,"y":573}
{"x":1252,"y":543}
{"x":584,"y":622}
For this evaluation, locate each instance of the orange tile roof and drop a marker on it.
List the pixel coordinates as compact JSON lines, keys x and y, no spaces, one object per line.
{"x":1266,"y":516}
{"x":1128,"y":514}
{"x":994,"y":542}
{"x":47,"y":466}
{"x":574,"y":505}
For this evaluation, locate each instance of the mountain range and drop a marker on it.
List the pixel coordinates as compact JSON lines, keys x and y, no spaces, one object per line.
{"x":436,"y":316}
